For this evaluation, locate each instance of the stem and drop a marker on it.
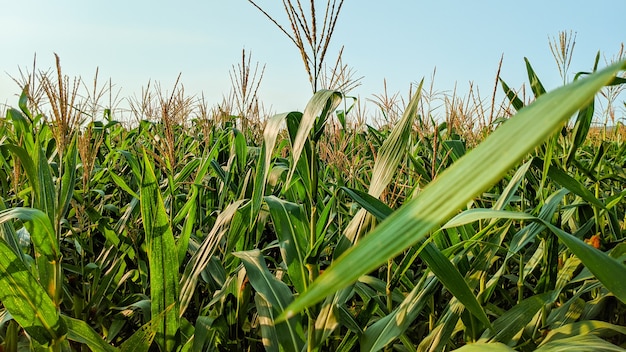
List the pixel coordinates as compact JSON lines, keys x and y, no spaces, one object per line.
{"x":520,"y":280}
{"x":388,"y":288}
{"x":313,"y":267}
{"x":57,"y":227}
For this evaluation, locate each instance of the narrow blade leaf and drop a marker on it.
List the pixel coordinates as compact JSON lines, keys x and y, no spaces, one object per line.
{"x":466,"y":178}
{"x":26,"y":300}
{"x":162,"y":257}
{"x":277,"y":296}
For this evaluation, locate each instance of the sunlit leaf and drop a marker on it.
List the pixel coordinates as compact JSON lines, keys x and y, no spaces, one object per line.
{"x":162,"y":257}
{"x":456,"y":185}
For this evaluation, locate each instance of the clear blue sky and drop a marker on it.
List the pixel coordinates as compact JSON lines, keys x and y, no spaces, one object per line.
{"x":133,"y":41}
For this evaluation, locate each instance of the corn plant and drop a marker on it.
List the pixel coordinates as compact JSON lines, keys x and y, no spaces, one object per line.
{"x":459,"y":184}
{"x":174,"y":236}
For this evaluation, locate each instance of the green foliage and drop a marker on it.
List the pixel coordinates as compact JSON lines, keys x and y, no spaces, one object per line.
{"x":315,"y":235}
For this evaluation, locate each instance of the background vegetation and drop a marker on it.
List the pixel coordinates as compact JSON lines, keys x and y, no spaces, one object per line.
{"x":197,"y":228}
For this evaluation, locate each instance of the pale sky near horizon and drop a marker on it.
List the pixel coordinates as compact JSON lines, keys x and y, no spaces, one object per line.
{"x":136,"y":41}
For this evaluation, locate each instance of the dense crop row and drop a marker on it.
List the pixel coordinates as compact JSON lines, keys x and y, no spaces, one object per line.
{"x":309,"y":234}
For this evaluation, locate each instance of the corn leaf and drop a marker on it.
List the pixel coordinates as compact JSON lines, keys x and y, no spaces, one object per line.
{"x":586,"y":327}
{"x":81,"y":332}
{"x":391,"y":153}
{"x":517,"y":103}
{"x":466,"y":178}
{"x":580,"y":343}
{"x":472,"y":215}
{"x":141,"y":340}
{"x":601,"y":265}
{"x":323,"y":102}
{"x":68,"y":180}
{"x":449,"y":276}
{"x":188,"y":212}
{"x":26,"y":161}
{"x":452,"y":280}
{"x":9,"y":235}
{"x":374,"y":206}
{"x":485,"y":347}
{"x":204,"y":333}
{"x":604,"y":267}
{"x":394,"y":324}
{"x":581,"y":129}
{"x":564,"y":179}
{"x":293,"y":232}
{"x":119,"y":181}
{"x":270,"y":134}
{"x":444,"y":328}
{"x":278,"y":296}
{"x":45,"y":242}
{"x":269,"y":331}
{"x":26,"y":299}
{"x":535,"y":83}
{"x":516,"y":318}
{"x":199,"y":261}
{"x":23,"y":125}
{"x":162,"y":257}
{"x":45,"y":192}
{"x":507,"y":194}
{"x":42,"y":230}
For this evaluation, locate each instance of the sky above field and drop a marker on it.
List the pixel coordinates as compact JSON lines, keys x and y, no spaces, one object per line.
{"x":137,"y":41}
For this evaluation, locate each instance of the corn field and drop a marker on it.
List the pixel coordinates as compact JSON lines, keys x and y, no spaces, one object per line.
{"x":306,"y":231}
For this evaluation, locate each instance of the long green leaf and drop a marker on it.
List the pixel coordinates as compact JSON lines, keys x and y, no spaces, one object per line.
{"x":45,"y":242}
{"x":202,"y":256}
{"x":188,"y":212}
{"x":204,"y":333}
{"x":604,"y":267}
{"x":535,"y":83}
{"x":43,"y":232}
{"x":270,"y":134}
{"x":27,"y":163}
{"x":141,"y":340}
{"x":277,"y":294}
{"x":23,"y":126}
{"x":68,"y":180}
{"x":372,"y":204}
{"x":26,"y":299}
{"x":485,"y":347}
{"x":45,"y":193}
{"x":292,"y":231}
{"x":269,"y":330}
{"x":516,"y":318}
{"x":449,"y":276}
{"x":580,"y":343}
{"x":513,"y":97}
{"x":601,"y":265}
{"x":581,"y":129}
{"x":586,"y":327}
{"x":322,"y":101}
{"x":162,"y":257}
{"x":453,"y":280}
{"x":48,"y":263}
{"x":121,"y":183}
{"x":391,"y":154}
{"x":466,"y":178}
{"x":472,"y":215}
{"x":562,"y":178}
{"x":512,"y":187}
{"x":394,"y":324}
{"x":80,"y":331}
{"x":442,"y":332}
{"x":9,"y":235}
{"x":394,"y":147}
